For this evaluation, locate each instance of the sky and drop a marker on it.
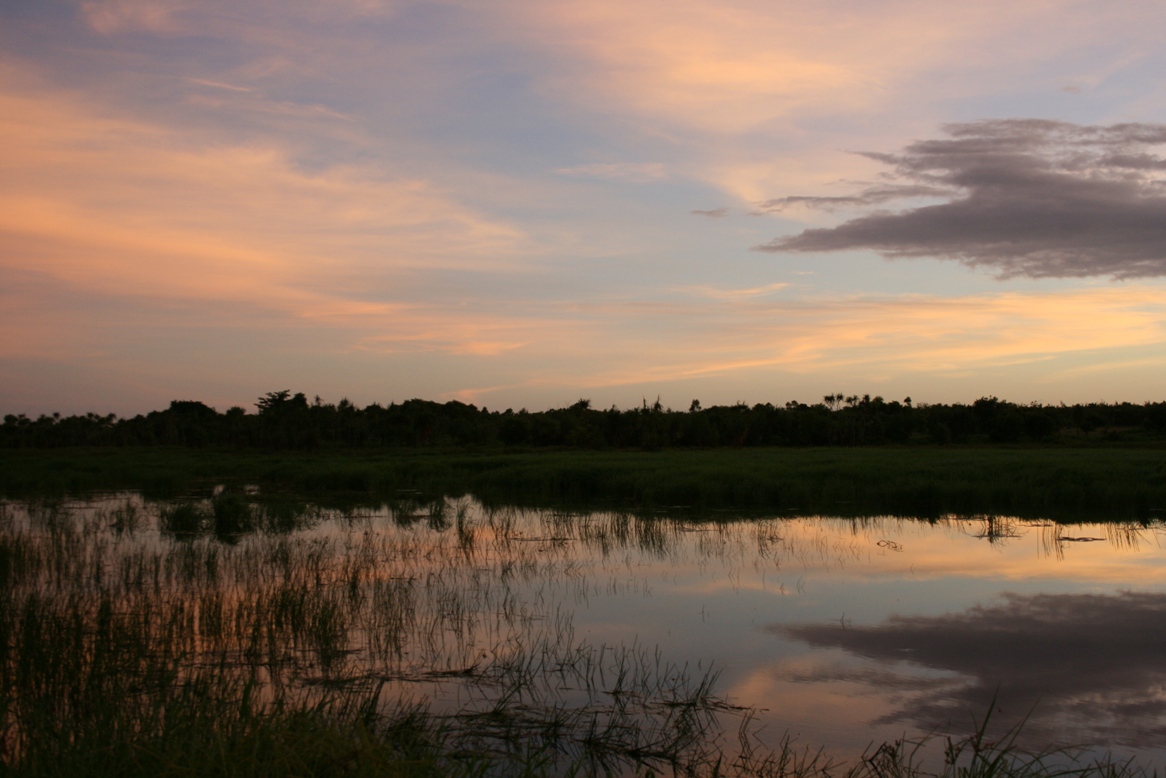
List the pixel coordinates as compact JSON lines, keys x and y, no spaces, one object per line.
{"x":522,"y":204}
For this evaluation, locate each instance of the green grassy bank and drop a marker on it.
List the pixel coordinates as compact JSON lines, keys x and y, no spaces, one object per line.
{"x":1078,"y":483}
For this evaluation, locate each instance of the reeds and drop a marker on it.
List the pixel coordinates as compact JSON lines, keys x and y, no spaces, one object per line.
{"x":146,"y":635}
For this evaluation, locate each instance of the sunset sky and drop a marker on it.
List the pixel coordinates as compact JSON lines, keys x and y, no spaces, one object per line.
{"x":520,"y":203}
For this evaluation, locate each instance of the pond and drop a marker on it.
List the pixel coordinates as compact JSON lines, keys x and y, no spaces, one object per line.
{"x":676,"y":631}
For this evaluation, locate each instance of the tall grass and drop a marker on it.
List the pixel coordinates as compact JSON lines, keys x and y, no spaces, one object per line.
{"x":155,"y":643}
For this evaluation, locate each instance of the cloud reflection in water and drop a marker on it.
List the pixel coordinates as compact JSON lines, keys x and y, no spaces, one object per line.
{"x":1090,"y":668}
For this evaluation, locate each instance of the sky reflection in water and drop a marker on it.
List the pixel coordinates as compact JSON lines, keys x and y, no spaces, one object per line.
{"x":852,"y":631}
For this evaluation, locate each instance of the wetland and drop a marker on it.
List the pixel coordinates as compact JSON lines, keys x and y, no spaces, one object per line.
{"x":226,"y":627}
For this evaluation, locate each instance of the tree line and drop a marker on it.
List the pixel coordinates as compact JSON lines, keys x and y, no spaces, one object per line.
{"x":283,"y":420}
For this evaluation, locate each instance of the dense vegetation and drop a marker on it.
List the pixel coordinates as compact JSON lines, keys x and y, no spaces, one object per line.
{"x":1067,"y":483}
{"x":287,"y":421}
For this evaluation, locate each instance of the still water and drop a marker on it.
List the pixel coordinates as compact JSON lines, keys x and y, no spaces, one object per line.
{"x":838,"y":632}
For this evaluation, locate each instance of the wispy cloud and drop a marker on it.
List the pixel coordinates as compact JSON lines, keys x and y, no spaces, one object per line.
{"x":635,"y":172}
{"x":112,"y":16}
{"x":753,"y":89}
{"x":904,"y":334}
{"x":127,"y":209}
{"x":150,"y":184}
{"x":730,"y":68}
{"x":873,"y":195}
{"x":716,"y":293}
{"x":219,"y":85}
{"x":743,"y":335}
{"x":1028,"y":198}
{"x":715,"y":213}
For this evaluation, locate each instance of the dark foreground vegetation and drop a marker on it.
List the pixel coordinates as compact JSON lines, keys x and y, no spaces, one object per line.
{"x":287,"y":421}
{"x":134,"y":644}
{"x":1112,"y":483}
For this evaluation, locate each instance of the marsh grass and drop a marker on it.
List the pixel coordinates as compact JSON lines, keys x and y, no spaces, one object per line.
{"x":180,"y":634}
{"x":231,"y":635}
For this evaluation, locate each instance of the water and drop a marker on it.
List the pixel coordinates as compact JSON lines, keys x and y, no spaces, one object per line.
{"x":838,"y":632}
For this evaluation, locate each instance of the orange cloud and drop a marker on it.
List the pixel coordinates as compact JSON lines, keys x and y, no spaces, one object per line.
{"x":901,"y":334}
{"x":556,"y":344}
{"x":123,"y":208}
{"x":723,"y":67}
{"x":709,"y":74}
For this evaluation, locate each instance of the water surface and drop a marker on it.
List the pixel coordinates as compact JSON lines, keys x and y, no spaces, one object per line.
{"x":838,"y":632}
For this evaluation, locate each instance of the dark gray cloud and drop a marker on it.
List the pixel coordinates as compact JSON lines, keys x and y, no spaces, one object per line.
{"x":715,"y":213}
{"x":1026,"y":197}
{"x":1093,"y":666}
{"x":874,"y":195}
